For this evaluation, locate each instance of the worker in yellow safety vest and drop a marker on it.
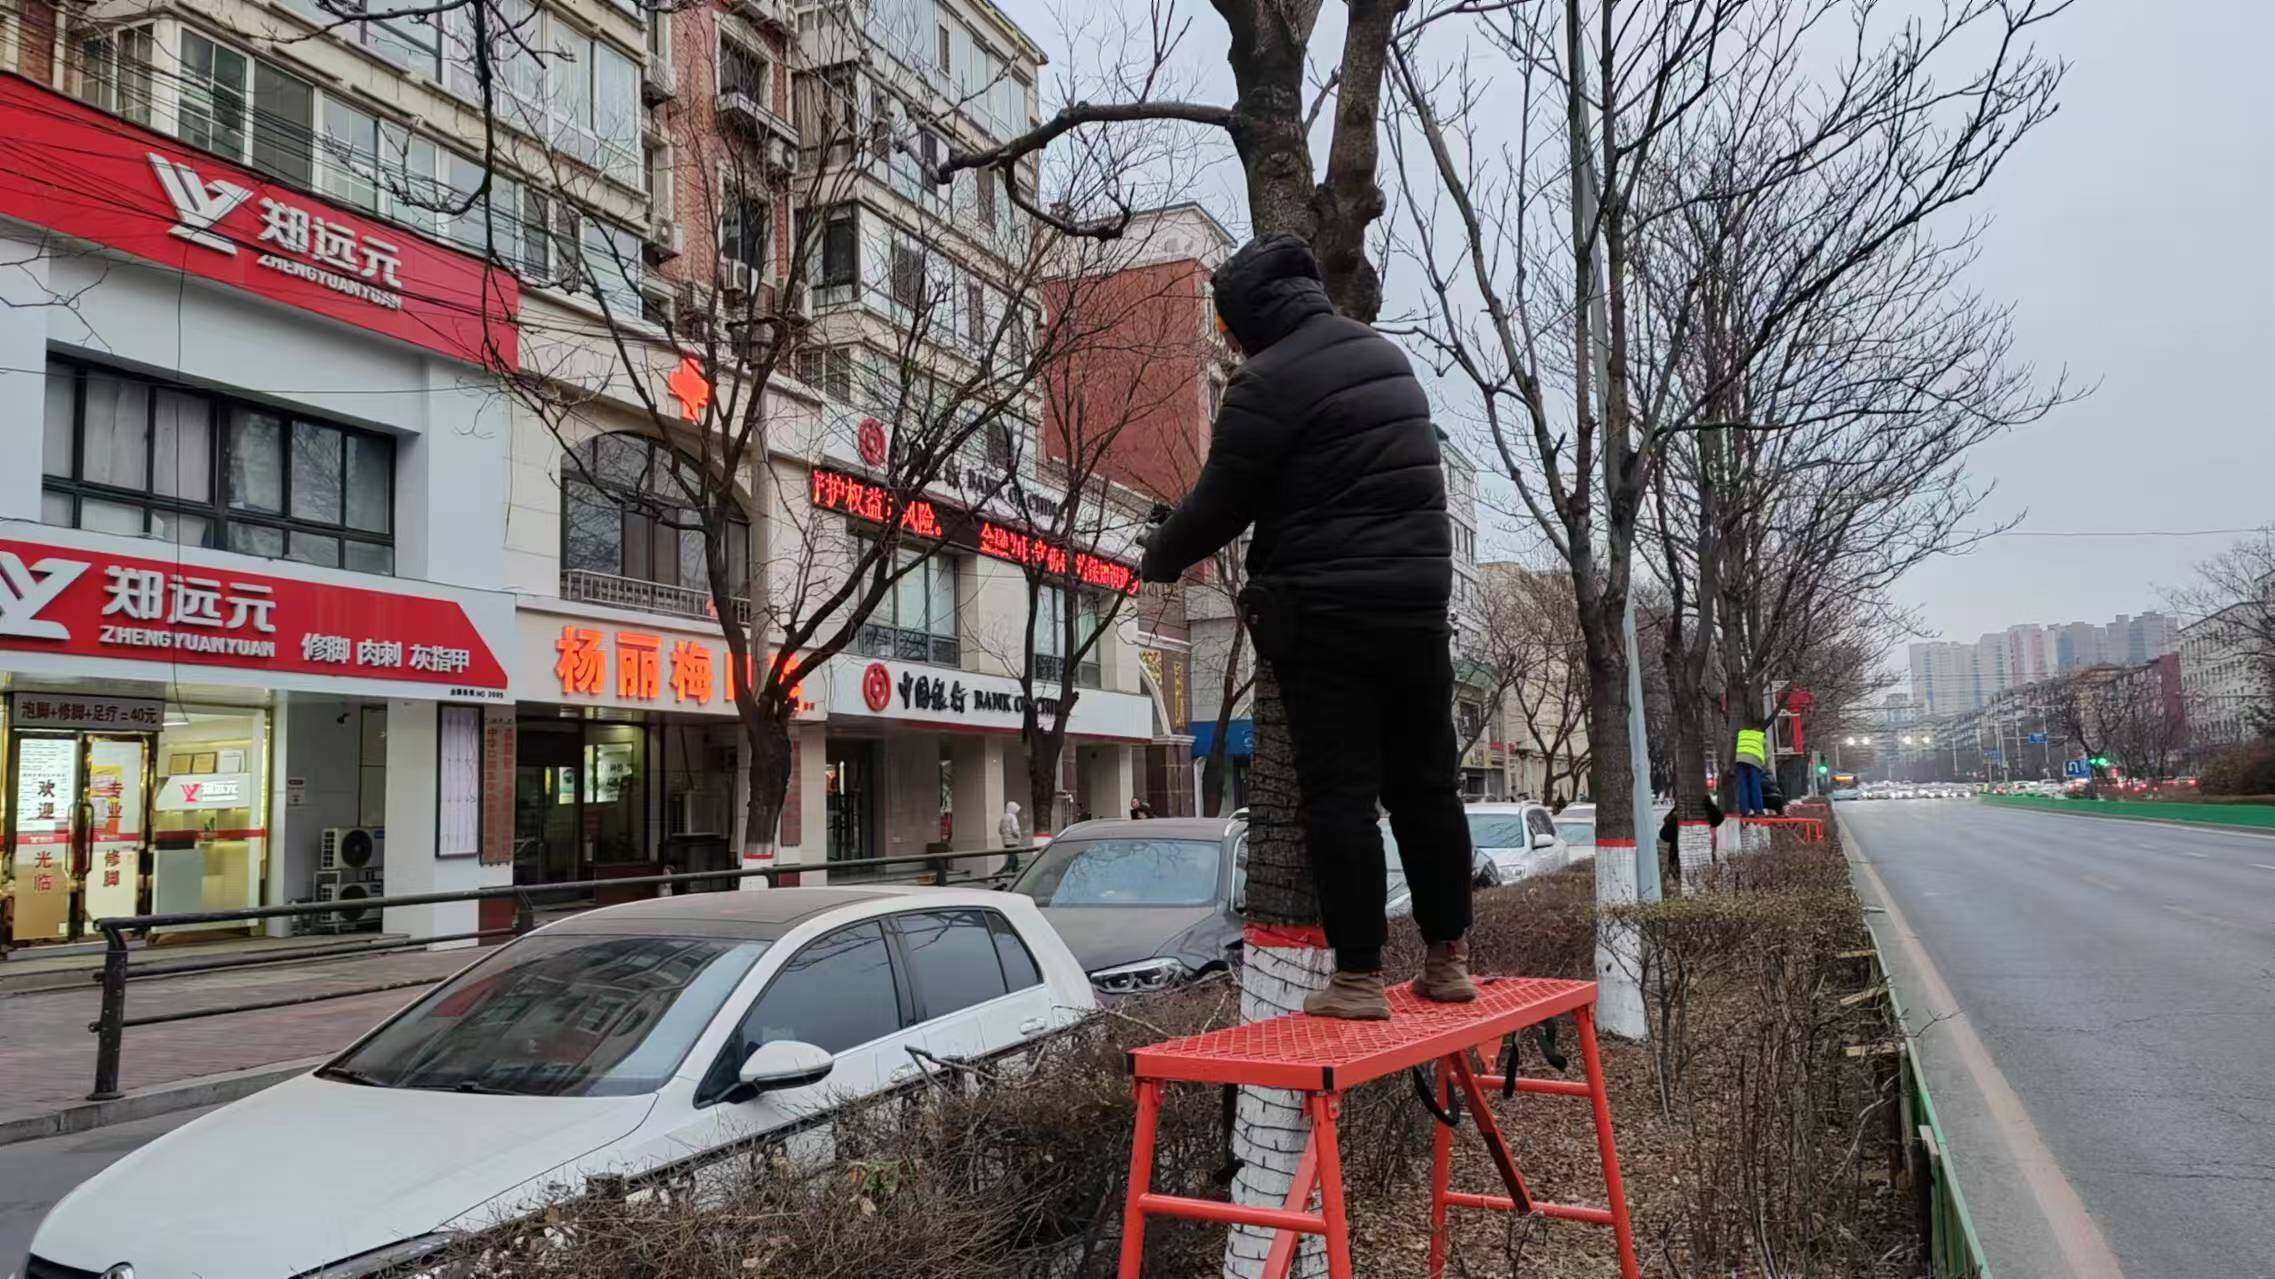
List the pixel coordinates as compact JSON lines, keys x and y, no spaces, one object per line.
{"x":1750,"y":759}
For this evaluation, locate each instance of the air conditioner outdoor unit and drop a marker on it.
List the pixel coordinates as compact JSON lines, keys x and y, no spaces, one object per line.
{"x":798,"y":304}
{"x":781,"y":156}
{"x":665,"y":240}
{"x":352,"y":848}
{"x":739,"y":277}
{"x":338,"y":886}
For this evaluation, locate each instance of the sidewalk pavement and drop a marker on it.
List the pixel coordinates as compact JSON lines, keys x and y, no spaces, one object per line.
{"x":47,"y":1054}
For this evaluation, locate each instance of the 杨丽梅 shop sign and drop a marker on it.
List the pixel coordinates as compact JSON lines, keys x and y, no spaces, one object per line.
{"x":909,"y":692}
{"x":60,"y":605}
{"x":94,"y":177}
{"x":940,"y":521}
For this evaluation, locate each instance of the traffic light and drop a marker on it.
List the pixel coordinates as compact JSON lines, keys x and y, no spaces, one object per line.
{"x":2099,"y":761}
{"x":1824,"y":770}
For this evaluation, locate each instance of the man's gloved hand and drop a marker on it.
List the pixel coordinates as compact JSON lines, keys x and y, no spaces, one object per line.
{"x":1150,"y":566}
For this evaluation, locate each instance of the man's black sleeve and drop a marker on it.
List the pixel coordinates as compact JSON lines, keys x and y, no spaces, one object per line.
{"x":1244,"y":450}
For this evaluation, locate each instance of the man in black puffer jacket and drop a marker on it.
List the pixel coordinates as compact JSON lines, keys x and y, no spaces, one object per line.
{"x":1325,"y":445}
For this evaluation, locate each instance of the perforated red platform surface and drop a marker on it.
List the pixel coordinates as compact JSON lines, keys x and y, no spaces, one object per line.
{"x":1323,"y":1055}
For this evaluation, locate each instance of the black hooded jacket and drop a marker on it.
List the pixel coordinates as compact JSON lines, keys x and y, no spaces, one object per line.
{"x":1325,"y":444}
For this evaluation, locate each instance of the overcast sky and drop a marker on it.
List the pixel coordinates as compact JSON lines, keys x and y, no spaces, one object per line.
{"x":2131,"y":234}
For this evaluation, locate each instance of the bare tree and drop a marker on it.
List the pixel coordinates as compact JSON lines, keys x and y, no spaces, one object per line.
{"x":2231,"y":604}
{"x":1531,"y":644}
{"x":1535,"y":248}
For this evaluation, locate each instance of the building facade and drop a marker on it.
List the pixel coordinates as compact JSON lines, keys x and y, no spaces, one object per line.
{"x":309,"y":602}
{"x":2225,"y":693}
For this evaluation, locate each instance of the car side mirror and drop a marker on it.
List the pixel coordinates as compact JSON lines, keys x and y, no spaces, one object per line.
{"x":785,"y":1063}
{"x":1543,"y":840}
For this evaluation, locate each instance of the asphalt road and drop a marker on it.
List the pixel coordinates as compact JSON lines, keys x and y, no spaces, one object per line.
{"x":2096,"y":1011}
{"x":34,"y":1174}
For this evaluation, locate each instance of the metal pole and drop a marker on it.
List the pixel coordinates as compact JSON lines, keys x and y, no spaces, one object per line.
{"x":110,"y":1023}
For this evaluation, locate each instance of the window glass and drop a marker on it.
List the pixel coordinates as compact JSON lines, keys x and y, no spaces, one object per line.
{"x":55,"y":508}
{"x":110,"y":517}
{"x":1019,"y":968}
{"x":115,"y":445}
{"x":351,"y":155}
{"x":911,"y":594}
{"x":1498,"y":830}
{"x":616,"y":113}
{"x":284,"y":114}
{"x":312,"y":548}
{"x":1536,"y":820}
{"x":370,"y":482}
{"x":257,"y":539}
{"x":942,"y":571}
{"x":62,"y":403}
{"x":837,"y":994}
{"x":951,"y":958}
{"x":213,"y":96}
{"x":560,"y":1016}
{"x":180,"y":529}
{"x":315,"y":473}
{"x":370,"y":557}
{"x":182,"y":452}
{"x":1124,"y":872}
{"x":256,"y":461}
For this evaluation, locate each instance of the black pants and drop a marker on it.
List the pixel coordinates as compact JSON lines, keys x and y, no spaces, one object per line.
{"x":1370,"y":712}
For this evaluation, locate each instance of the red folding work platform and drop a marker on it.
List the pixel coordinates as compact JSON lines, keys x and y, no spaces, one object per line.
{"x":1321,"y":1059}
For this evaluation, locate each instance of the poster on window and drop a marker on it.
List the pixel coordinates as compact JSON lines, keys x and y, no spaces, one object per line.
{"x":458,"y":777}
{"x":115,"y":814}
{"x":47,"y":794}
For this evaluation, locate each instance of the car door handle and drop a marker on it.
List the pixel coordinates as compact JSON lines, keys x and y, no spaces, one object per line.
{"x":1034,"y":1026}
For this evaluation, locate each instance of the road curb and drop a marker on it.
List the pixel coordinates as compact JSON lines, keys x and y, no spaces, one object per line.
{"x":163,"y":1099}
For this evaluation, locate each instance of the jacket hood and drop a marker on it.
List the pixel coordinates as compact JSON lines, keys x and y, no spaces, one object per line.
{"x":1264,"y":291}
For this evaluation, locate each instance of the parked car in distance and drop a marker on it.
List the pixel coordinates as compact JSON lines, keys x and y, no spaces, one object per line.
{"x":1846,"y":793}
{"x":1578,"y":831}
{"x":642,"y":1038}
{"x":1144,"y":904}
{"x":1513,"y":840}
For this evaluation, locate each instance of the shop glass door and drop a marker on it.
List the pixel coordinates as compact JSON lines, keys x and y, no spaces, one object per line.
{"x":43,"y":832}
{"x":851,"y":785}
{"x":118,"y":826}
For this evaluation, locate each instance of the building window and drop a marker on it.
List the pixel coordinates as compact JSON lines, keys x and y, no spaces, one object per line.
{"x":984,"y":182}
{"x":828,"y":369}
{"x":743,"y":70}
{"x":123,"y":455}
{"x":631,"y":509}
{"x":746,"y":228}
{"x":916,"y":621}
{"x":1051,"y":653}
{"x":908,"y":274}
{"x":114,"y":72}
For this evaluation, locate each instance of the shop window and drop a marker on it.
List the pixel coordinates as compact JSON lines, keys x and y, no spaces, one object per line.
{"x":122,"y":455}
{"x":632,"y":521}
{"x":916,"y":619}
{"x":1051,"y":651}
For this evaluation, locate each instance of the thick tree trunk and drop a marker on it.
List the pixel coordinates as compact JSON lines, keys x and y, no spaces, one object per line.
{"x":767,"y":745}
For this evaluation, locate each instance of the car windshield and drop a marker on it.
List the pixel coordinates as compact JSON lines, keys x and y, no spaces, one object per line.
{"x":1576,"y":832}
{"x":559,"y":1015}
{"x":1125,"y":872}
{"x":1498,"y":830}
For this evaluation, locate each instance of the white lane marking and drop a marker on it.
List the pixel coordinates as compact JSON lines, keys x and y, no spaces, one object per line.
{"x":2198,"y":856}
{"x":2261,"y":866}
{"x":2075,"y":1232}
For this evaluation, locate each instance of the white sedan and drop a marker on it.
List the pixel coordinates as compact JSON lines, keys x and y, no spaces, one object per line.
{"x":1515,"y":840}
{"x":617,"y":1041}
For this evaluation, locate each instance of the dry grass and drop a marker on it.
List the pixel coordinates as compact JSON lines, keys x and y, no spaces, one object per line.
{"x":1751,"y":1144}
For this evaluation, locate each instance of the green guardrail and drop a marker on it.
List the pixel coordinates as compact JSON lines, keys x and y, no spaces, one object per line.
{"x":2251,"y":816}
{"x":1954,"y":1249}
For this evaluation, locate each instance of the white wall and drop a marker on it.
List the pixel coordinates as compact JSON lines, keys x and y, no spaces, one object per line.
{"x":412,"y":866}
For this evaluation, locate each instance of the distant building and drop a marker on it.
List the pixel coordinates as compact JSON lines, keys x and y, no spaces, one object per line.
{"x":2220,"y":686}
{"x":1950,"y":678}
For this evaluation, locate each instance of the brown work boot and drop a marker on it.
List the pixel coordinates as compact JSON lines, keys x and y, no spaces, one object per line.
{"x":1350,"y":997}
{"x":1445,"y":974}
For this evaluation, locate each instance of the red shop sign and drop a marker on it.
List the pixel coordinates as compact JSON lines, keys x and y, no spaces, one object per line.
{"x":61,"y":600}
{"x":867,"y":500}
{"x":66,"y":166}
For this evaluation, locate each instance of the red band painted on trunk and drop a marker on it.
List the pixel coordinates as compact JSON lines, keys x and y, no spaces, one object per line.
{"x":1615,"y":843}
{"x":1286,"y":936}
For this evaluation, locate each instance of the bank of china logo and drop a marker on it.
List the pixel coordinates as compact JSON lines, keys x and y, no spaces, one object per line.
{"x":23,"y":595}
{"x":199,"y":205}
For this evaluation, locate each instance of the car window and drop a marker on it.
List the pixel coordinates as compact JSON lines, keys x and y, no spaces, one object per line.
{"x":1498,"y":830}
{"x":1536,"y":821}
{"x":1576,"y":832}
{"x":951,"y":958}
{"x":1125,"y":872}
{"x":835,"y":994}
{"x":559,"y":1015}
{"x":1019,"y":968}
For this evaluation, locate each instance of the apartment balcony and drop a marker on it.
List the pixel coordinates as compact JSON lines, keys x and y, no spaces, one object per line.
{"x":588,"y":587}
{"x":738,"y":108}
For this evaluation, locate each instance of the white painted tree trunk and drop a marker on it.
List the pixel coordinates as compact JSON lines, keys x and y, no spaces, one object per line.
{"x":1270,"y":1128}
{"x":1694,"y":848}
{"x":1619,"y":946}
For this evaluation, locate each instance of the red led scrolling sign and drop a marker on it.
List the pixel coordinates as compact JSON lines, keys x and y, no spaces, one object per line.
{"x":867,"y":500}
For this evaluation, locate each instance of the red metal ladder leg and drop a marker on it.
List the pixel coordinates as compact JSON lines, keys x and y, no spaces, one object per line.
{"x":1323,"y":1110}
{"x":1281,"y":1259}
{"x":1141,"y":1178}
{"x":1606,"y":1149}
{"x":1441,"y":1172}
{"x":1495,"y":1144}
